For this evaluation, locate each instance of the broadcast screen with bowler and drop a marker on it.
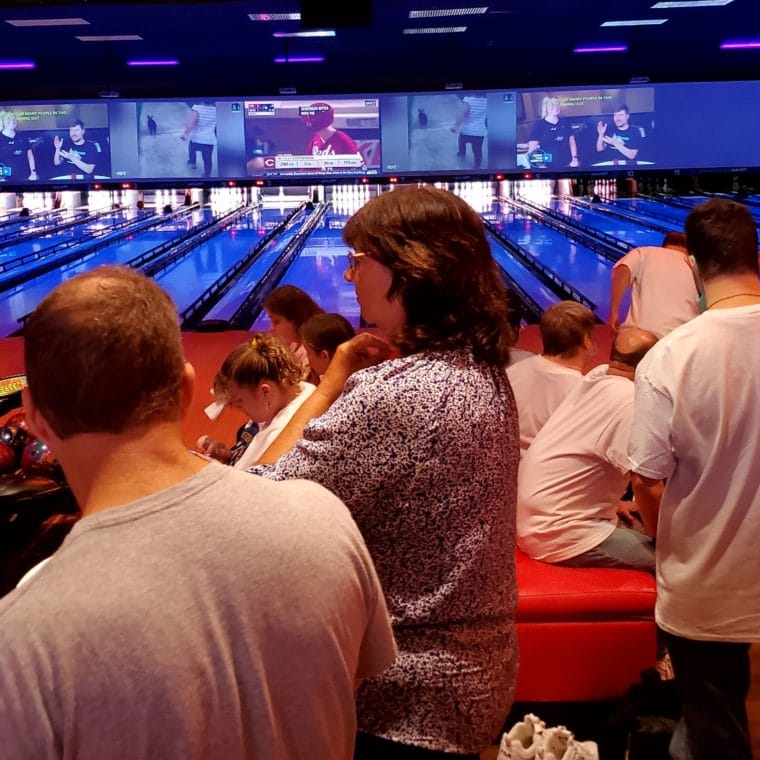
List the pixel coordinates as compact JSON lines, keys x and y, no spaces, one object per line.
{"x":296,"y":138}
{"x":55,"y":142}
{"x":565,"y":129}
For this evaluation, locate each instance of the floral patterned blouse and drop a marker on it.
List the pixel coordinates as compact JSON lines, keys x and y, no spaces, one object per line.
{"x":424,"y":451}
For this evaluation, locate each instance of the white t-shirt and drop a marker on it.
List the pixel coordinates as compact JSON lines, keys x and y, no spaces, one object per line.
{"x":663,"y":291}
{"x":576,"y":470}
{"x":474,"y":123}
{"x":697,"y":400}
{"x":540,"y":385}
{"x":268,"y":431}
{"x":204,"y":131}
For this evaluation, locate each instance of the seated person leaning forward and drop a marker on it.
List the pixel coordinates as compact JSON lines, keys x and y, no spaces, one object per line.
{"x":164,"y":626}
{"x":424,"y":450}
{"x":576,"y":471}
{"x":541,"y":383}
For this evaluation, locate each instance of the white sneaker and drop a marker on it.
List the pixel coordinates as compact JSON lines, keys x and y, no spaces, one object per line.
{"x":523,"y":740}
{"x":560,"y":744}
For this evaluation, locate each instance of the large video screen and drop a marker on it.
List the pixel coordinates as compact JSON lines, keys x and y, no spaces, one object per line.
{"x":696,"y":126}
{"x":574,"y":129}
{"x":464,"y":132}
{"x":66,"y":142}
{"x":312,"y":137}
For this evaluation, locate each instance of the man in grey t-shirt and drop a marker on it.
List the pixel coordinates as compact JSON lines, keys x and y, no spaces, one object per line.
{"x":195,"y":611}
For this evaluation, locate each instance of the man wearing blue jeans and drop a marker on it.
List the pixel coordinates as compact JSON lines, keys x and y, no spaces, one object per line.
{"x":695,"y":423}
{"x":573,"y":475}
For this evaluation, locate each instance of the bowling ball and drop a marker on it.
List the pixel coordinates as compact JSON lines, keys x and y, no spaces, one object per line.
{"x":15,"y":437}
{"x":38,"y":460}
{"x":8,"y":458}
{"x":18,"y":419}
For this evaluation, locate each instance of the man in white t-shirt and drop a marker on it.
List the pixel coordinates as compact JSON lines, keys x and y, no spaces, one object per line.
{"x":662,"y":283}
{"x":574,"y":474}
{"x":195,"y":611}
{"x":697,"y":401}
{"x":541,"y":382}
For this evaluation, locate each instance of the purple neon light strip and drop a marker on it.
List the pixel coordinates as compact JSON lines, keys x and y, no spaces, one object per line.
{"x":740,"y":44}
{"x":301,"y":59}
{"x":154,"y":62}
{"x":7,"y":65}
{"x":602,"y":49}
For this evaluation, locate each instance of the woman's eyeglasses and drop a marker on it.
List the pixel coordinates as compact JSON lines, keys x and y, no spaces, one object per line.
{"x":352,"y":257}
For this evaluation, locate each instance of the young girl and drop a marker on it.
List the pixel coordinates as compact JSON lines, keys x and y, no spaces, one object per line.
{"x":320,"y":336}
{"x":288,"y":307}
{"x":263,"y":378}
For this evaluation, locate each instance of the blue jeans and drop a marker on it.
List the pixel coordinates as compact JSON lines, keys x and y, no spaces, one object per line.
{"x":713,"y":680}
{"x":624,"y":548}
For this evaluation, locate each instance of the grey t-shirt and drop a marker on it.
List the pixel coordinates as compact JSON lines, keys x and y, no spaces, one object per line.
{"x":226,"y":617}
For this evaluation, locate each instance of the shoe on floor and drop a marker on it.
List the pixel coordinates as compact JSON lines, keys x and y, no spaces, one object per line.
{"x":560,"y":744}
{"x":523,"y":740}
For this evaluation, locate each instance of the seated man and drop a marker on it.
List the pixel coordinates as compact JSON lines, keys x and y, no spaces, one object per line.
{"x":663,"y":287}
{"x":194,"y":611}
{"x":573,"y":475}
{"x":541,"y":383}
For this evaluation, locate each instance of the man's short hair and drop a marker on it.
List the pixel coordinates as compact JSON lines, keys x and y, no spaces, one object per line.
{"x":77,"y":123}
{"x":721,"y":235}
{"x":103,"y":353}
{"x":564,"y":327}
{"x":631,"y":345}
{"x":674,"y":240}
{"x":623,"y":107}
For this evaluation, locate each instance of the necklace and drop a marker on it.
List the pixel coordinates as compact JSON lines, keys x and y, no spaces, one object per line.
{"x":735,"y":295}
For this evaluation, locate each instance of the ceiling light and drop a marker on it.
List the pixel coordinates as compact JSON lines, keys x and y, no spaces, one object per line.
{"x":441,"y":13}
{"x":740,"y":44}
{"x":108,"y":37}
{"x":601,"y":49}
{"x":314,"y":33}
{"x":47,"y":22}
{"x":691,"y":3}
{"x":301,"y":59}
{"x":274,"y":16}
{"x":636,"y":22}
{"x":154,"y":62}
{"x":435,"y":30}
{"x":7,"y":65}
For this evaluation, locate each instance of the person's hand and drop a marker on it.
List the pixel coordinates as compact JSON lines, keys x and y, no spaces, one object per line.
{"x":615,"y":142}
{"x":33,"y":174}
{"x":626,"y":511}
{"x":614,"y":324}
{"x":66,"y":154}
{"x":454,"y":130}
{"x":362,"y":351}
{"x":183,"y":137}
{"x":574,"y":162}
{"x":57,"y":141}
{"x":214,"y":449}
{"x":601,"y":128}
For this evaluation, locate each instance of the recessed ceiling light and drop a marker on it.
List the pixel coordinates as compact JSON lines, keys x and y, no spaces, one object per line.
{"x":301,"y":59}
{"x":691,"y":3}
{"x":601,"y":49}
{"x":441,"y":13}
{"x":8,"y":65}
{"x":47,"y":22}
{"x":313,"y":33}
{"x":153,"y":62}
{"x":636,"y":22}
{"x":108,"y":37}
{"x":274,"y":16}
{"x":740,"y":44}
{"x":435,"y":30}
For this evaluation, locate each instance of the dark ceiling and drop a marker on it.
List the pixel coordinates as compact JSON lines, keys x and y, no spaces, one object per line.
{"x":221,"y":51}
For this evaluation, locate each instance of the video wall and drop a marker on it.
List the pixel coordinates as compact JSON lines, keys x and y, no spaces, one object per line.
{"x":700,"y":125}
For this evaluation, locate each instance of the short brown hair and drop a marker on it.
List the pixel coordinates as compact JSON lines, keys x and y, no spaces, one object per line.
{"x":441,"y":268}
{"x":674,"y":240}
{"x":263,"y":357}
{"x":292,"y":303}
{"x":325,"y":332}
{"x":722,"y":237}
{"x":103,"y":353}
{"x":564,"y":326}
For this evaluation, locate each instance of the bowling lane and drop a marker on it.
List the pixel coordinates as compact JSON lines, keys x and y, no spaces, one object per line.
{"x":22,"y":299}
{"x":650,"y":209}
{"x":79,"y":232}
{"x":187,"y":278}
{"x":573,"y":262}
{"x":318,"y":270}
{"x":240,"y":289}
{"x":630,"y":232}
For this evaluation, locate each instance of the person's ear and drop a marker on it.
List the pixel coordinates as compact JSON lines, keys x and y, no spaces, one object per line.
{"x":38,"y":425}
{"x":187,"y":389}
